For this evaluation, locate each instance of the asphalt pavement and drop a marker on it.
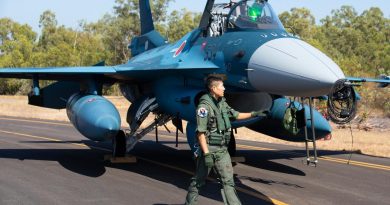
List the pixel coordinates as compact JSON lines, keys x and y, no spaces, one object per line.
{"x":49,"y":162}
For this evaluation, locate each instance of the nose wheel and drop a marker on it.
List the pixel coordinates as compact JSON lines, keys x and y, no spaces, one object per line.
{"x":119,"y":144}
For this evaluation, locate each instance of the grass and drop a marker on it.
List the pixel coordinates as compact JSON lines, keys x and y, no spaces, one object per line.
{"x":375,"y":142}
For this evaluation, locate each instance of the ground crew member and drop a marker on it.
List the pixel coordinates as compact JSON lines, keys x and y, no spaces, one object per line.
{"x":213,"y":135}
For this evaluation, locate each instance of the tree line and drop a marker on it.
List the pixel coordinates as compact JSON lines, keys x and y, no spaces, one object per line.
{"x":358,"y":43}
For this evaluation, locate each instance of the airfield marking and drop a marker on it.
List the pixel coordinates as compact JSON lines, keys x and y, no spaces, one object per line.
{"x":248,"y":192}
{"x":330,"y":159}
{"x":36,"y":121}
{"x":51,"y":139}
{"x":245,"y":191}
{"x":325,"y":158}
{"x":357,"y":163}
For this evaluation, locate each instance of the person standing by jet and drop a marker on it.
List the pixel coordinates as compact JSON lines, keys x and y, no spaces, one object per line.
{"x":213,"y":135}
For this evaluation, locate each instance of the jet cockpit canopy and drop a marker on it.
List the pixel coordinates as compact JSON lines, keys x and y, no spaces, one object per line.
{"x":245,"y":14}
{"x":253,"y":14}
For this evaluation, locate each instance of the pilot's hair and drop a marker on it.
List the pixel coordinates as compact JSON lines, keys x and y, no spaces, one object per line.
{"x":211,"y":81}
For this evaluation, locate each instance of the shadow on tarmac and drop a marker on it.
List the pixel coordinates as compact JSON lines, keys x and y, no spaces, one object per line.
{"x":90,"y":163}
{"x":81,"y":161}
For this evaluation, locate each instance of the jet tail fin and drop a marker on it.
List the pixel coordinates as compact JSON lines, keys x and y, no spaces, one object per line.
{"x":149,"y":38}
{"x":145,"y":16}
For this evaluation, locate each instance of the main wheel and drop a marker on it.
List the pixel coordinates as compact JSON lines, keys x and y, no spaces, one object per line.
{"x":119,"y":144}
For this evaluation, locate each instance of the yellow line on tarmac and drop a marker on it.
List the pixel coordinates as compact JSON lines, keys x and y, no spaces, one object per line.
{"x":252,"y":147}
{"x":245,"y":191}
{"x":35,"y":121}
{"x":51,"y":139}
{"x":248,"y":192}
{"x":331,"y":159}
{"x":356,"y":163}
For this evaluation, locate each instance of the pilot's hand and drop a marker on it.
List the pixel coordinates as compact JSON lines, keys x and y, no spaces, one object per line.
{"x":208,"y":160}
{"x":260,"y":113}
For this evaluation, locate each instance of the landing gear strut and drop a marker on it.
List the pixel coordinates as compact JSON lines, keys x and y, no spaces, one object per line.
{"x":119,"y":150}
{"x":135,"y":136}
{"x":119,"y":144}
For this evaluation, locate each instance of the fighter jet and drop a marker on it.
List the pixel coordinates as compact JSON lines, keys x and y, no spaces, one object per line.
{"x":244,"y":42}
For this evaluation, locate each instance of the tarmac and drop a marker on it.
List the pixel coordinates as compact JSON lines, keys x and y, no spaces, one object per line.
{"x":49,"y":162}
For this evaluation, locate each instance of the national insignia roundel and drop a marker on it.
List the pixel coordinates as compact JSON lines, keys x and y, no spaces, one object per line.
{"x":202,"y":112}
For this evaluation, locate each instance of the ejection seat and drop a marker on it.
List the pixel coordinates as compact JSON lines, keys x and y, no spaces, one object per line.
{"x":218,"y":20}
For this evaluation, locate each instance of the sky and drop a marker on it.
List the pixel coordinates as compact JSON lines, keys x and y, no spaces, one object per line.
{"x":71,"y":12}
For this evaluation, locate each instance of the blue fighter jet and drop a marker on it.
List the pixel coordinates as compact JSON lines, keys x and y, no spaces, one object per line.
{"x":244,"y":42}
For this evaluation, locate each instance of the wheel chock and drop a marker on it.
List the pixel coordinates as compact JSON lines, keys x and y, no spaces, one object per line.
{"x":120,"y":160}
{"x":238,"y":159}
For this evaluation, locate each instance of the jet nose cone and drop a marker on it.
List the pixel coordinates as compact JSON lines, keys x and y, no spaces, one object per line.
{"x":288,"y":66}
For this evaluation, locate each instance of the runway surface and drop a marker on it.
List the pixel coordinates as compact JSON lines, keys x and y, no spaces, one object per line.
{"x":48,"y":162}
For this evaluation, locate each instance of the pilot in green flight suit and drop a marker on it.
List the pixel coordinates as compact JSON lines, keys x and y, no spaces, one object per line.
{"x":213,"y":135}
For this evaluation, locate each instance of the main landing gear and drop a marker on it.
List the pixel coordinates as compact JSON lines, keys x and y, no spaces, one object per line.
{"x":119,"y":144}
{"x":119,"y":154}
{"x":124,"y":142}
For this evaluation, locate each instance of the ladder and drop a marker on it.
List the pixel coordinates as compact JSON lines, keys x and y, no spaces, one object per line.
{"x":311,"y":151}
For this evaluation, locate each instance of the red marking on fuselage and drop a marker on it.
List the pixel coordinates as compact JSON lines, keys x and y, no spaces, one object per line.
{"x":203,"y":45}
{"x":180,"y":49}
{"x":91,"y":100}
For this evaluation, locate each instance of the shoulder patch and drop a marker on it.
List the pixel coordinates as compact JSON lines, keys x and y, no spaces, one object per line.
{"x":202,"y":112}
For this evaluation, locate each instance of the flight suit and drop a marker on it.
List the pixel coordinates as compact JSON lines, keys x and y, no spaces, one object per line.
{"x":213,"y":119}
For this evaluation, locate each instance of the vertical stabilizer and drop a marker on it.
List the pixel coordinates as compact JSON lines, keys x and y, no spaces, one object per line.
{"x":149,"y":37}
{"x":145,"y":16}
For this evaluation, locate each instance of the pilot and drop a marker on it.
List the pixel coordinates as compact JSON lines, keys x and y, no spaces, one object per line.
{"x":213,"y":134}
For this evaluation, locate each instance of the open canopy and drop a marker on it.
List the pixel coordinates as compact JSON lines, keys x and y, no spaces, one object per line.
{"x":254,"y":14}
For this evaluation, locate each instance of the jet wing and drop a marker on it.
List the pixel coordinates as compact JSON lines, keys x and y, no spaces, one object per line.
{"x":384,"y":81}
{"x":56,"y":73}
{"x":124,"y":72}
